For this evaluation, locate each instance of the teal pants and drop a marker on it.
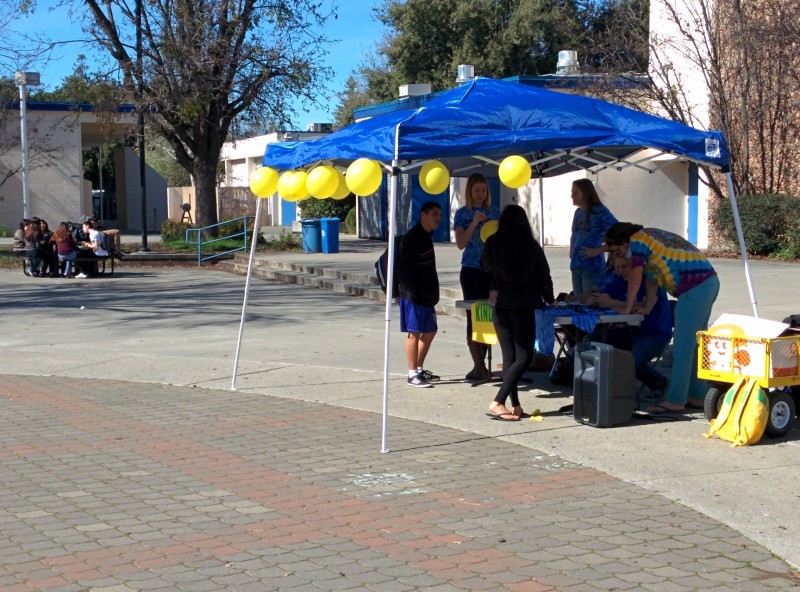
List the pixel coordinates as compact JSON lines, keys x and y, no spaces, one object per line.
{"x":691,"y":315}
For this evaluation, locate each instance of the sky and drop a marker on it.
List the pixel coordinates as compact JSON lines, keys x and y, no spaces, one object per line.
{"x":355,"y":29}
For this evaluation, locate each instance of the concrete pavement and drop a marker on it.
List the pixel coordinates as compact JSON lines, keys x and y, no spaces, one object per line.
{"x":130,"y":458}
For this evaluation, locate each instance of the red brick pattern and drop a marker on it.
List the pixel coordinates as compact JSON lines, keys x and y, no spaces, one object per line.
{"x":116,"y":486}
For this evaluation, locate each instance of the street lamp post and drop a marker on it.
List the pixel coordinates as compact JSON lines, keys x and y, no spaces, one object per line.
{"x":24,"y":80}
{"x":140,"y":125}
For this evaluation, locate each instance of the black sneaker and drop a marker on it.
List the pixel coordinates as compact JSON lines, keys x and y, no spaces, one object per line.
{"x":419,"y":382}
{"x":429,"y":376}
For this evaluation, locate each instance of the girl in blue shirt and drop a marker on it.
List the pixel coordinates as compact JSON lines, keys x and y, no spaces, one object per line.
{"x":474,"y":280}
{"x":586,"y":244}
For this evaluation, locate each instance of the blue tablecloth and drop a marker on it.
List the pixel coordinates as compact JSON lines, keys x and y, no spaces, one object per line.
{"x":584,"y":318}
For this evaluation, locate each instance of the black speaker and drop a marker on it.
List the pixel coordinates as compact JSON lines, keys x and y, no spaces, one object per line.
{"x":604,"y":386}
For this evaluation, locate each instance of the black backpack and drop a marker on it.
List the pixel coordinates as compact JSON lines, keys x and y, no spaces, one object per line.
{"x":382,"y":267}
{"x":563,"y":371}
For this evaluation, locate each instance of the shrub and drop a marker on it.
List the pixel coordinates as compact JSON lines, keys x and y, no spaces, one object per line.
{"x":285,"y":241}
{"x":5,"y":232}
{"x":766,"y":220}
{"x":350,"y":221}
{"x":791,"y":250}
{"x":171,"y":230}
{"x":327,"y":208}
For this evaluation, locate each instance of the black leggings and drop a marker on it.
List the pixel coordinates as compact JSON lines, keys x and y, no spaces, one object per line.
{"x":474,"y":286}
{"x":516,"y":332}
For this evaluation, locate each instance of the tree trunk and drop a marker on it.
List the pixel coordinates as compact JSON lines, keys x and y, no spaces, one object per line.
{"x":205,"y":177}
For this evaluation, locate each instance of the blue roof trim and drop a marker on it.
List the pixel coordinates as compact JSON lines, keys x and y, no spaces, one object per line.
{"x":64,"y":106}
{"x":405,"y":104}
{"x":582,"y":81}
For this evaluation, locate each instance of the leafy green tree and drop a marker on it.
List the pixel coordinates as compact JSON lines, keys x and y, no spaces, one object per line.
{"x":206,"y":63}
{"x":426,"y":40}
{"x":161,"y":156}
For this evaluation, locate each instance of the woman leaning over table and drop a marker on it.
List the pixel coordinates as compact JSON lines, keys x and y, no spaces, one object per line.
{"x":589,"y":224}
{"x":520,"y":284}
{"x":474,"y":280}
{"x":667,"y":260}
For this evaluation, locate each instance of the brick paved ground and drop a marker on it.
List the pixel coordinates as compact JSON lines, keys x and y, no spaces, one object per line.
{"x":113,"y":487}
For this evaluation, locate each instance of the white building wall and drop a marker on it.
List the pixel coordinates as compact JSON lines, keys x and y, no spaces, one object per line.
{"x":671,"y":48}
{"x":241,"y":157}
{"x":54,"y":177}
{"x":633,"y":195}
{"x":156,"y":198}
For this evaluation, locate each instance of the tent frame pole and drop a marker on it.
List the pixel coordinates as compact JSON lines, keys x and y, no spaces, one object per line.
{"x":253,"y":243}
{"x":737,"y":221}
{"x":389,"y":297}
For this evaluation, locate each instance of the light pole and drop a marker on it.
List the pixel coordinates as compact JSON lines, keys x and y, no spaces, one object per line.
{"x":140,"y":125}
{"x":24,"y":80}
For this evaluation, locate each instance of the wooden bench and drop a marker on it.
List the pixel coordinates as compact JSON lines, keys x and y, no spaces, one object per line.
{"x":101,"y":261}
{"x":103,"y":264}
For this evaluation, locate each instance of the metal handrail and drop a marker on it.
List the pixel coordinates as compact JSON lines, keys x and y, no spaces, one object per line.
{"x":199,"y":242}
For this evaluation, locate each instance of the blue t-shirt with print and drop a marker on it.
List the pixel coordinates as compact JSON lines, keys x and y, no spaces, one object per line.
{"x":471,"y":257}
{"x":599,"y":221}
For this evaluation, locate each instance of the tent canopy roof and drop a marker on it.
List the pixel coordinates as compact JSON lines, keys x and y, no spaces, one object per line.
{"x":471,"y":128}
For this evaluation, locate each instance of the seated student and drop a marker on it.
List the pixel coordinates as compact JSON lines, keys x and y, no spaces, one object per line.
{"x":32,"y":236}
{"x":96,"y":249}
{"x":645,"y":341}
{"x":46,"y":252}
{"x":65,"y":247}
{"x":18,"y":248}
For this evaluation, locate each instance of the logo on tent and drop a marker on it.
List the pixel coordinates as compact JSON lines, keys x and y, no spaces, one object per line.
{"x":712,"y":148}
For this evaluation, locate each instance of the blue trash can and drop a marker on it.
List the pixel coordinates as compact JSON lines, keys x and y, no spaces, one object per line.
{"x":312,"y":236}
{"x":330,"y":235}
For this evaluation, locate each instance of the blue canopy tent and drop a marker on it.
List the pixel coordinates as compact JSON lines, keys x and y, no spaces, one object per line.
{"x":471,"y":128}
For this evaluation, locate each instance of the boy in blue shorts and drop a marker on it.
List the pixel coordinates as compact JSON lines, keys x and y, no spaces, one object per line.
{"x":418,"y":292}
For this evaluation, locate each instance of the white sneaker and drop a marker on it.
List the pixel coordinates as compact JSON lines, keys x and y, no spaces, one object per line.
{"x":81,"y":276}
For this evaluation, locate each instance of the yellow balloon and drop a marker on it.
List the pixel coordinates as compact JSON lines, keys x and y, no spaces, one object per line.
{"x":363,"y":176}
{"x":488,"y":229}
{"x":264,"y":181}
{"x":514,"y":171}
{"x":322,"y":181}
{"x":434,"y":177}
{"x":297,"y":185}
{"x":283,"y":185}
{"x":342,"y":190}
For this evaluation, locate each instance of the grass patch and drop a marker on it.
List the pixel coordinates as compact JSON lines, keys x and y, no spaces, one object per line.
{"x":8,"y":260}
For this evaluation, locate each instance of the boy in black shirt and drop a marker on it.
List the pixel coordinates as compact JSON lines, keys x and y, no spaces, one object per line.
{"x":418,"y":291}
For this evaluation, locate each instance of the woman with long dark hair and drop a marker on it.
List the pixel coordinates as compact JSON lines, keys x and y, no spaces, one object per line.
{"x":589,"y":224}
{"x":520,"y":283}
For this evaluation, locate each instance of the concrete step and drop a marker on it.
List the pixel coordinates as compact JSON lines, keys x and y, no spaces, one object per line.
{"x":351,"y":283}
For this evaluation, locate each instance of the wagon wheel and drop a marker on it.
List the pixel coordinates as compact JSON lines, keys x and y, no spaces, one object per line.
{"x":781,"y":414}
{"x":713,"y":401}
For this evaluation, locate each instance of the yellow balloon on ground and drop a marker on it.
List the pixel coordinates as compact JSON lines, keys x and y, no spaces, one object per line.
{"x":322,"y":181}
{"x":434,"y":177}
{"x":363,"y":176}
{"x":488,"y":229}
{"x":514,"y":171}
{"x":297,"y":185}
{"x":264,"y":181}
{"x":342,"y":190}
{"x":283,"y":186}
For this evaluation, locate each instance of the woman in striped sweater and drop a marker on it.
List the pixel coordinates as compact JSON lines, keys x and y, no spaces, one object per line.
{"x":663,"y":259}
